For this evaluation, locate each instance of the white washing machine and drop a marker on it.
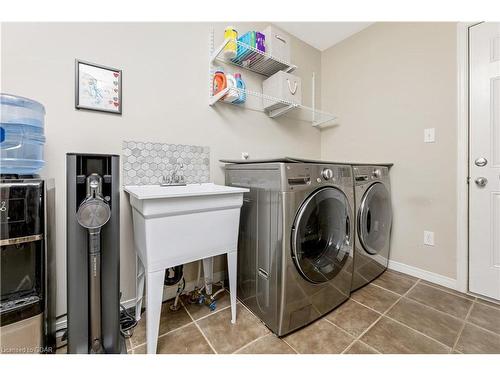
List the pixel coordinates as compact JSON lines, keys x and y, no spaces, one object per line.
{"x":372,"y":192}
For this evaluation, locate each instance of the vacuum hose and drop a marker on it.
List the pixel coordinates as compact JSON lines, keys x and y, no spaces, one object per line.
{"x":93,"y":213}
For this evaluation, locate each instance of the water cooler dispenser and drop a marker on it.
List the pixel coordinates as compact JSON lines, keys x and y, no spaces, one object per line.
{"x":27,"y":252}
{"x":93,"y":254}
{"x":27,"y":262}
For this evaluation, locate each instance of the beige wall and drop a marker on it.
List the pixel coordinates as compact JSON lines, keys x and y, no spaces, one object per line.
{"x":165,"y":93}
{"x":387,"y":83}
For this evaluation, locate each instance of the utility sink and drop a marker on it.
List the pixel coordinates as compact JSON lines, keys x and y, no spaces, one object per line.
{"x":175,"y":225}
{"x":157,"y":191}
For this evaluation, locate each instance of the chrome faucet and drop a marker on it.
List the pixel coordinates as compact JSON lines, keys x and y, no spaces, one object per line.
{"x":176,"y":177}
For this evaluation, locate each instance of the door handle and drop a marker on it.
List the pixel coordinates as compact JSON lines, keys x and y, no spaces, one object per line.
{"x":481,"y":181}
{"x":481,"y":162}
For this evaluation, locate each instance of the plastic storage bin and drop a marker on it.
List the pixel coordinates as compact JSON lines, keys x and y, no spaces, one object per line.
{"x":282,"y":86}
{"x":22,"y":137}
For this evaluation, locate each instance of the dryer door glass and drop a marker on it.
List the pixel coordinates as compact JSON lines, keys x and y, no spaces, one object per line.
{"x":375,"y":218}
{"x":321,"y":235}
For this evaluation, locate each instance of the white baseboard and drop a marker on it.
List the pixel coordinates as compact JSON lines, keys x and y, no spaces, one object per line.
{"x":424,"y":275}
{"x":168,"y":293}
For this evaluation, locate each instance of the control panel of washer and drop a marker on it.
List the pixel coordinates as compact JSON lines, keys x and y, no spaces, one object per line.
{"x":327,"y":174}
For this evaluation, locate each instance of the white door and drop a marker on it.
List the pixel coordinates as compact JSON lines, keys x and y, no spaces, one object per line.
{"x":484,"y":187}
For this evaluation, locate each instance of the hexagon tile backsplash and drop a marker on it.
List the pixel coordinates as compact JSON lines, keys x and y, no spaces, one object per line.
{"x":145,"y":163}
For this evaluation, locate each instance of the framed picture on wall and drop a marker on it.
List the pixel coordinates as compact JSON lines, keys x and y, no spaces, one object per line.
{"x":97,"y":87}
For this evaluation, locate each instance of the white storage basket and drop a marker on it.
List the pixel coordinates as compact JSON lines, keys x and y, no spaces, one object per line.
{"x":280,"y":90}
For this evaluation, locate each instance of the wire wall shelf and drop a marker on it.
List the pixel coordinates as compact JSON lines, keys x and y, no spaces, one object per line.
{"x":252,"y":59}
{"x":258,"y":101}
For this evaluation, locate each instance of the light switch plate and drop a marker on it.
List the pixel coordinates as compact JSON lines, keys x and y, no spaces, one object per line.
{"x":430,"y":135}
{"x":428,"y":238}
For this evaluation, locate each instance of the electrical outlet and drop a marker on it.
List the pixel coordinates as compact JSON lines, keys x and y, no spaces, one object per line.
{"x":428,"y":238}
{"x":430,"y":135}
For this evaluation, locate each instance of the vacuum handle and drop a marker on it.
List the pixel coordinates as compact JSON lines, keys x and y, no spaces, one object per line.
{"x":95,"y":292}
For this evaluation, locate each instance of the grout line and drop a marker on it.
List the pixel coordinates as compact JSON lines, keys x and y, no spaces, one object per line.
{"x":463,"y":326}
{"x":346,"y":332}
{"x":361,"y":342}
{"x":163,"y":334}
{"x":178,"y":328}
{"x":199,"y":329}
{"x":251,"y":342}
{"x":413,"y":329}
{"x":482,"y":328}
{"x":416,"y":330}
{"x":456,"y":317}
{"x":423,"y":304}
{"x":383,"y":314}
{"x":407,"y":326}
{"x":291,"y":347}
{"x":349,"y":346}
{"x":388,"y":290}
{"x":238,"y":303}
{"x":453,"y":292}
{"x":356,"y":338}
{"x":487,"y":303}
{"x":431,"y":307}
{"x":212,"y":313}
{"x":440,"y":311}
{"x":342,"y":329}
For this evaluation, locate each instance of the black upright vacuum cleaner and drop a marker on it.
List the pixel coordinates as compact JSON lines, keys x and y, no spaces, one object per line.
{"x":93,"y":213}
{"x":93,"y":275}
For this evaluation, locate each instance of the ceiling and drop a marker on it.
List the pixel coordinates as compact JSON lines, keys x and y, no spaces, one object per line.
{"x":322,"y":35}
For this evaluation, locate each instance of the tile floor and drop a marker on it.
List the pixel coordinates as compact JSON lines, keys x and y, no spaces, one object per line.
{"x":394,"y":314}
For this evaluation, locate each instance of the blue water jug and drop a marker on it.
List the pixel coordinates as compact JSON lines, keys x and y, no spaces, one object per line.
{"x":22,"y":137}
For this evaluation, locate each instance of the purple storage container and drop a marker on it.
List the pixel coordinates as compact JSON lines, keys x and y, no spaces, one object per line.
{"x":260,"y":41}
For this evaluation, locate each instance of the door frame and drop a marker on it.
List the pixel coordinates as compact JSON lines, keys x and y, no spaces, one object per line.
{"x":463,"y":132}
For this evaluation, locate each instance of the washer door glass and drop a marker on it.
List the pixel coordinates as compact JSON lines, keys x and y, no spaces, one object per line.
{"x":375,"y":218}
{"x":321,"y":235}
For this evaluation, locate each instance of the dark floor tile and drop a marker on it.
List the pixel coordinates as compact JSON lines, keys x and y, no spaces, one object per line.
{"x":395,"y":282}
{"x":186,"y":340}
{"x":227,"y":337}
{"x":486,"y":317}
{"x":441,"y":300}
{"x":62,"y":350}
{"x":360,"y":348}
{"x":451,"y":291}
{"x":374,"y":297}
{"x":435,"y":324}
{"x":475,"y":340}
{"x":319,"y":337}
{"x":388,"y":336}
{"x":353,"y":317}
{"x":141,"y":349}
{"x":198,"y":311}
{"x":495,"y":305}
{"x":269,"y":344}
{"x":169,"y":320}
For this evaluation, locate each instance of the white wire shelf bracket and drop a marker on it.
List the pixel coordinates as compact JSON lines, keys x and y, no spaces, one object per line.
{"x":281,"y":107}
{"x":252,"y":59}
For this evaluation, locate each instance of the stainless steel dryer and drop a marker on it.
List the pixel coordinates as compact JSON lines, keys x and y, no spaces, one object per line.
{"x":373,"y":223}
{"x":295,"y":251}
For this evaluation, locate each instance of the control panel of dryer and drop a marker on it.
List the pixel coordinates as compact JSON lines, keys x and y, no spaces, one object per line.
{"x":364,"y":174}
{"x":299,"y":176}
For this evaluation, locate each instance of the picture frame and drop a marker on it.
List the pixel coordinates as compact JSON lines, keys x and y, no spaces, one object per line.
{"x":98,"y":87}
